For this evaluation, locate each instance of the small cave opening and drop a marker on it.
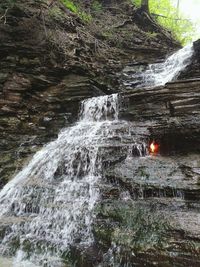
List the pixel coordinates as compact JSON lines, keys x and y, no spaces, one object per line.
{"x":170,"y":144}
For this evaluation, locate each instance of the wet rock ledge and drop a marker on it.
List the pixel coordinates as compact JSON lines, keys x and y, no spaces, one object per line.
{"x":149,"y":213}
{"x":171,"y":113}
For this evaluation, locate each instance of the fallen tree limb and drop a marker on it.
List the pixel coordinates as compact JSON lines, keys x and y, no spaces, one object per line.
{"x":123,"y":24}
{"x":4,"y":16}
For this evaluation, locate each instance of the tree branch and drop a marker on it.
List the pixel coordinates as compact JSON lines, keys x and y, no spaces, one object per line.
{"x":162,"y":16}
{"x":4,"y":16}
{"x":123,"y":23}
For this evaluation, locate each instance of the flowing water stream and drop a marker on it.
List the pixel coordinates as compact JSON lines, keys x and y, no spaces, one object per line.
{"x":49,"y":205}
{"x":161,"y":73}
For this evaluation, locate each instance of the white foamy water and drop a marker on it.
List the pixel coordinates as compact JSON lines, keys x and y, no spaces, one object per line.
{"x":161,"y":73}
{"x":100,"y":108}
{"x":5,"y":262}
{"x":17,"y":262}
{"x":49,"y":205}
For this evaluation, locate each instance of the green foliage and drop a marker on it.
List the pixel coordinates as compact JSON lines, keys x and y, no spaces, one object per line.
{"x":75,"y":8}
{"x":85,"y":16}
{"x":57,"y":14}
{"x":180,"y":27}
{"x":136,"y":2}
{"x":70,"y":5}
{"x":7,"y":4}
{"x":140,"y":228}
{"x":167,"y":16}
{"x":96,"y":6}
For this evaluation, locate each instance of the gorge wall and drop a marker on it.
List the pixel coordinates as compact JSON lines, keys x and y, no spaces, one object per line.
{"x":51,"y":59}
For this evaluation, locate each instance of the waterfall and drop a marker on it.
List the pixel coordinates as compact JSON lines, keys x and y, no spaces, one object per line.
{"x":161,"y":73}
{"x":49,"y":205}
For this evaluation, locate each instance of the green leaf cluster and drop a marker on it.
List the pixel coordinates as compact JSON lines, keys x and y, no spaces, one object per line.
{"x":75,"y":8}
{"x":96,"y":6}
{"x":136,"y":2}
{"x":70,"y":5}
{"x":169,"y":17}
{"x":140,"y":228}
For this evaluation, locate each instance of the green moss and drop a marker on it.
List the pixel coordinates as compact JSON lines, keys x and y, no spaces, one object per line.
{"x":103,"y":234}
{"x":109,"y":210}
{"x":56,"y":14}
{"x":128,"y":228}
{"x":70,"y":5}
{"x":136,"y":227}
{"x":151,"y":35}
{"x":142,"y":172}
{"x":14,"y":245}
{"x":136,"y":2}
{"x":108,"y":34}
{"x":140,"y":229}
{"x":76,"y":9}
{"x":7,"y":4}
{"x":26,"y":246}
{"x":68,"y":259}
{"x":96,"y":6}
{"x":85,"y":17}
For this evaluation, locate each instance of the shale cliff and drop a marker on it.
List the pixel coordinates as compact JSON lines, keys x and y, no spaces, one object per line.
{"x":51,"y":59}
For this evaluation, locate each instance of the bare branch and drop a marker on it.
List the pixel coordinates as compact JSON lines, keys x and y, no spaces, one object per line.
{"x":4,"y":16}
{"x":158,"y":15}
{"x":123,"y":23}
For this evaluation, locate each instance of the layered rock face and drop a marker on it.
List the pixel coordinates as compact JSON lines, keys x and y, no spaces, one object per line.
{"x":192,"y":71}
{"x":51,"y":59}
{"x":148,"y":214}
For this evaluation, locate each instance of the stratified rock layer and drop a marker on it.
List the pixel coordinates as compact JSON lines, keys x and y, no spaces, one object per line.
{"x":50,"y":59}
{"x":149,"y":215}
{"x":149,"y":211}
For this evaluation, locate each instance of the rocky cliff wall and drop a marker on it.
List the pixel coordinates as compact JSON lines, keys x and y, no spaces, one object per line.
{"x":149,"y":211}
{"x":51,"y":58}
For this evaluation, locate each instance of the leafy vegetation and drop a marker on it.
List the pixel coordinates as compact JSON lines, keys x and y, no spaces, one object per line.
{"x":133,"y":229}
{"x":136,"y":2}
{"x":76,"y":9}
{"x":167,"y":15}
{"x":140,"y":228}
{"x":96,"y":6}
{"x":71,"y":6}
{"x":7,"y":4}
{"x":57,"y":14}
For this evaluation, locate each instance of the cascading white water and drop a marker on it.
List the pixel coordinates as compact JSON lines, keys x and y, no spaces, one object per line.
{"x":161,"y":73}
{"x":48,"y":205}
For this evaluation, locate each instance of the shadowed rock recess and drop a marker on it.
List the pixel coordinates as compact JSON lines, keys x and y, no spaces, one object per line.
{"x":140,"y":209}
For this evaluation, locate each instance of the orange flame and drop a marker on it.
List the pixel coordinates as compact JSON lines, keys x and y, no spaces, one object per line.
{"x":153,"y":147}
